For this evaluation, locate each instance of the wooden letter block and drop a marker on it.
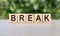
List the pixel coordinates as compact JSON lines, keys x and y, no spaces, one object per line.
{"x":30,"y":18}
{"x":13,"y":18}
{"x":38,"y":18}
{"x":46,"y":18}
{"x":21,"y":18}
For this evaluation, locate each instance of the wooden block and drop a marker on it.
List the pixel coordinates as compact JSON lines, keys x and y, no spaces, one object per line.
{"x":13,"y":18}
{"x":38,"y":18}
{"x":46,"y":18}
{"x":21,"y":18}
{"x":30,"y":18}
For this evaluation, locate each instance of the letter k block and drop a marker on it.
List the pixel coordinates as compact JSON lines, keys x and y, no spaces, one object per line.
{"x":46,"y":18}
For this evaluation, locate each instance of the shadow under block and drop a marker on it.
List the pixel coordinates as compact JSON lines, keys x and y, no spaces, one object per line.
{"x":13,"y":18}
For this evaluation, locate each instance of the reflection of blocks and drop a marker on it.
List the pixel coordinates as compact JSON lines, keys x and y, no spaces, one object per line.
{"x":21,"y":18}
{"x":38,"y":18}
{"x":13,"y":18}
{"x":46,"y":18}
{"x":30,"y":18}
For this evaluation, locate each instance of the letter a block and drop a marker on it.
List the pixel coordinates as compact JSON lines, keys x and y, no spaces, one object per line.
{"x":13,"y":18}
{"x":46,"y":18}
{"x":38,"y":18}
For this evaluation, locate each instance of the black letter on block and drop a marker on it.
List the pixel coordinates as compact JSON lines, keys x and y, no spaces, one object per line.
{"x":29,"y":17}
{"x":38,"y":18}
{"x":21,"y":17}
{"x":13,"y":18}
{"x":46,"y":17}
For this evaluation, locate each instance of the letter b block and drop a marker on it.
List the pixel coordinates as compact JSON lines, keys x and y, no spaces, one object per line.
{"x":13,"y":18}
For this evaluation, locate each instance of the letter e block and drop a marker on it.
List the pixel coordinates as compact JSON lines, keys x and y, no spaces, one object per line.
{"x":30,"y":18}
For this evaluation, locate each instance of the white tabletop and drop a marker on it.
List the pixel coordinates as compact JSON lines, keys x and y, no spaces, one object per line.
{"x":8,"y":29}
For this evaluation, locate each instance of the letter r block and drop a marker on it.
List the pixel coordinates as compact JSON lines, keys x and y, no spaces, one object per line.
{"x":13,"y":18}
{"x":21,"y":18}
{"x":46,"y":18}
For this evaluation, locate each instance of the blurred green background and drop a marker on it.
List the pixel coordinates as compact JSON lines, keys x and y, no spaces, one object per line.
{"x":30,"y":6}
